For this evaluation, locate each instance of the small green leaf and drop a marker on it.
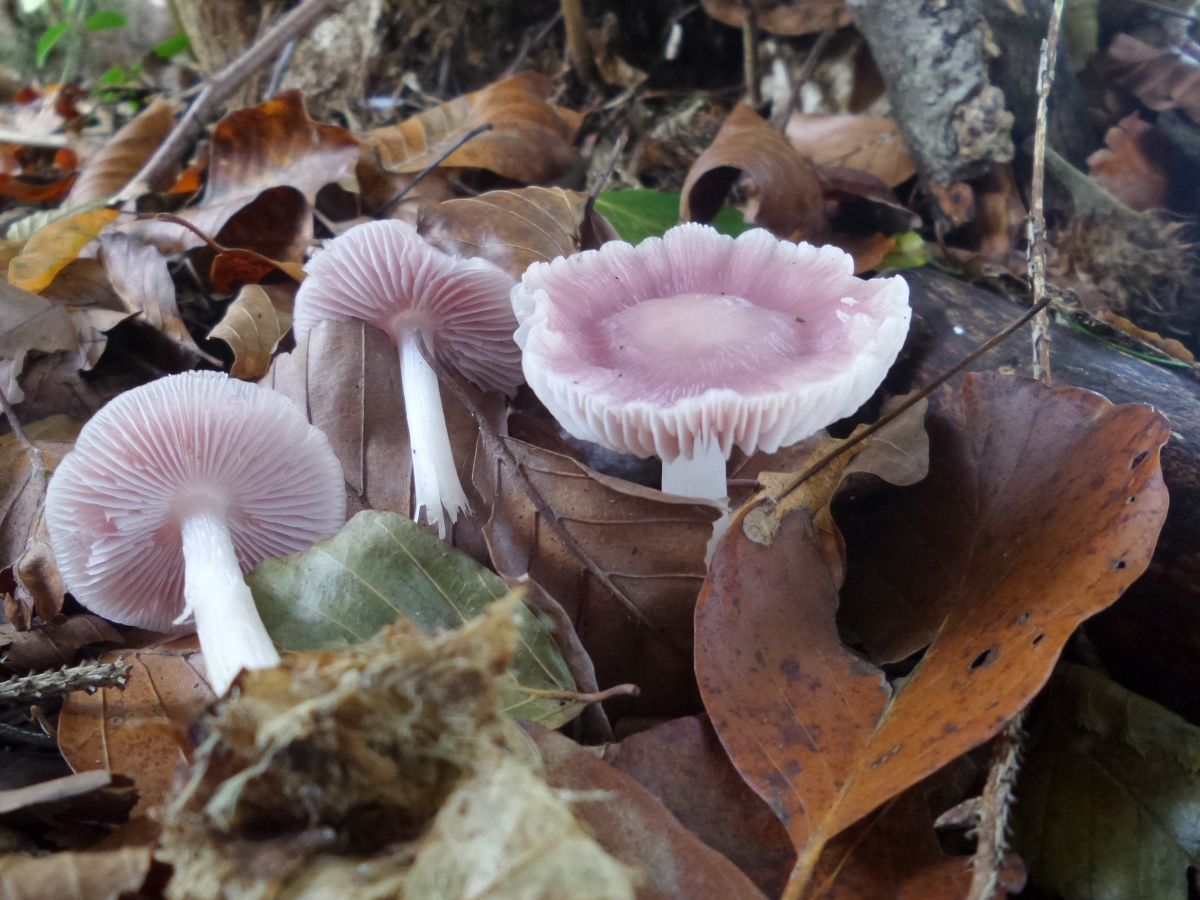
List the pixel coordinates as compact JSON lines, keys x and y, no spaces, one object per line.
{"x":49,"y":38}
{"x":639,"y":214}
{"x":382,"y":566}
{"x":910,"y":252}
{"x":114,"y":76}
{"x":176,"y":43}
{"x":1108,"y":793}
{"x":104,"y":20}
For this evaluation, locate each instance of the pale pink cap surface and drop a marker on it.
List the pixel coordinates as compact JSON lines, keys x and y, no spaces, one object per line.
{"x":195,"y":443}
{"x":384,"y":273}
{"x":701,"y":340}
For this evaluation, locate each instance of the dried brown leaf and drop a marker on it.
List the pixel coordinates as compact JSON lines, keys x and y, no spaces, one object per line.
{"x":123,"y":155}
{"x":48,"y":645}
{"x":1042,"y":505}
{"x":650,"y":545}
{"x":1162,"y":79}
{"x":138,"y":731}
{"x":103,"y":875}
{"x":868,"y":143}
{"x":637,"y":829}
{"x":29,"y":324}
{"x":530,"y":139}
{"x":1132,"y":166}
{"x":790,"y":17}
{"x":783,"y":187}
{"x":252,"y":327}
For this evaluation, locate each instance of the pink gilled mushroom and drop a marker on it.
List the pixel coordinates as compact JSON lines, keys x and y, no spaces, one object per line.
{"x":176,"y":488}
{"x":387,"y":275}
{"x":686,"y":346}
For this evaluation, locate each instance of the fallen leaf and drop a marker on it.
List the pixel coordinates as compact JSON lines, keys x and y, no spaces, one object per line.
{"x":382,"y":566}
{"x":530,"y":139}
{"x":505,"y":835}
{"x":784,"y":189}
{"x":1161,"y":79}
{"x":1042,"y":505}
{"x":683,"y":764}
{"x":1104,"y":791}
{"x":139,"y":274}
{"x":51,"y":248}
{"x":869,"y":143}
{"x":1168,"y":346}
{"x":140,"y":730}
{"x":29,"y":324}
{"x":122,"y":155}
{"x":48,"y":645}
{"x":789,"y":17}
{"x":1132,"y":166}
{"x":21,"y":189}
{"x":638,"y":214}
{"x":512,"y":229}
{"x":102,"y":875}
{"x":252,"y":327}
{"x":650,"y":545}
{"x":23,"y":486}
{"x":633,"y":826}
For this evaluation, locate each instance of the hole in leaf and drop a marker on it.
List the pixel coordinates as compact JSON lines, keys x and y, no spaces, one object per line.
{"x":1119,"y":564}
{"x":1037,"y":640}
{"x":1133,"y":499}
{"x":1139,"y":459}
{"x":986,"y":658}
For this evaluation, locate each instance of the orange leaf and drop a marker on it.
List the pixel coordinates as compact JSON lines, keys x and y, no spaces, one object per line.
{"x":1041,"y":507}
{"x":1132,"y":166}
{"x":784,"y":188}
{"x":530,"y":140}
{"x":52,"y":247}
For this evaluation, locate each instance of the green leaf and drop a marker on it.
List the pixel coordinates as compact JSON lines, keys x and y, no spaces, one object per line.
{"x":176,"y":43}
{"x":382,"y":566}
{"x":104,"y":20}
{"x":114,"y":76}
{"x":49,"y":38}
{"x":639,"y":214}
{"x":1108,"y":793}
{"x":910,"y":252}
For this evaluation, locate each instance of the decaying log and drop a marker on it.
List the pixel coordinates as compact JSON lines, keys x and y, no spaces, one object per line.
{"x":1150,"y":639}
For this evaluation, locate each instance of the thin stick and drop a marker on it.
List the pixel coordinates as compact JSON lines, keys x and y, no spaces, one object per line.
{"x":280,"y":69}
{"x":991,"y":831}
{"x":579,"y":46}
{"x":1036,"y":226}
{"x":912,"y":401}
{"x":43,"y":685}
{"x":498,"y":447}
{"x":441,"y":158}
{"x":806,"y":72}
{"x":750,"y":69}
{"x":620,"y":690}
{"x":220,"y":87}
{"x":52,"y":141}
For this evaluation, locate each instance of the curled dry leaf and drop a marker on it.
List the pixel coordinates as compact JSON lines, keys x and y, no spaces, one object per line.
{"x":48,"y":645}
{"x":650,"y":545}
{"x":783,"y":188}
{"x":139,"y":731}
{"x":512,"y":229}
{"x":29,"y":324}
{"x":530,"y":139}
{"x":790,"y":17}
{"x":362,"y":413}
{"x":139,"y":274}
{"x":1132,"y":166}
{"x":683,"y":764}
{"x":634,"y":827}
{"x":252,"y":326}
{"x":52,"y":247}
{"x":123,"y":155}
{"x":1162,"y":79}
{"x":101,"y":875}
{"x":1042,"y":505}
{"x":868,"y":143}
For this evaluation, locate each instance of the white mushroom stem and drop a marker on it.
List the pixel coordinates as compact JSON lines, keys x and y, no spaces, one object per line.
{"x":232,"y":636}
{"x":435,"y":477}
{"x":702,"y":475}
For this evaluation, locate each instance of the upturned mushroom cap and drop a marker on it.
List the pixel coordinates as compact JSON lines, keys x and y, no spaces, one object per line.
{"x":386,"y":274}
{"x":186,"y":444}
{"x":700,"y":340}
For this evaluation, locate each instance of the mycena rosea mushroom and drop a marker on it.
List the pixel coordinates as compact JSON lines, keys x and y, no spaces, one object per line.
{"x":176,"y":488}
{"x":387,"y":275}
{"x":686,"y":346}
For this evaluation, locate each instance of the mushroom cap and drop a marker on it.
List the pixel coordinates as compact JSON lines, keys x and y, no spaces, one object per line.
{"x":182,"y":445}
{"x":385,"y":274}
{"x":697,"y":339}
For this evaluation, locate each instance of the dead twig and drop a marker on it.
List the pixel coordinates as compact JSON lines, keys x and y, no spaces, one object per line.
{"x":1036,"y":225}
{"x":579,"y":45}
{"x":441,"y":158}
{"x":995,"y":805}
{"x":750,"y":68}
{"x":806,"y":72}
{"x":43,"y":685}
{"x":497,"y":446}
{"x":220,"y":87}
{"x":620,"y":690}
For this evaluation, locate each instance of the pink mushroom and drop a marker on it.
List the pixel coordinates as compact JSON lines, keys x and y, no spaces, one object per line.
{"x":387,"y":275}
{"x":176,"y":488}
{"x":690,"y":344}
